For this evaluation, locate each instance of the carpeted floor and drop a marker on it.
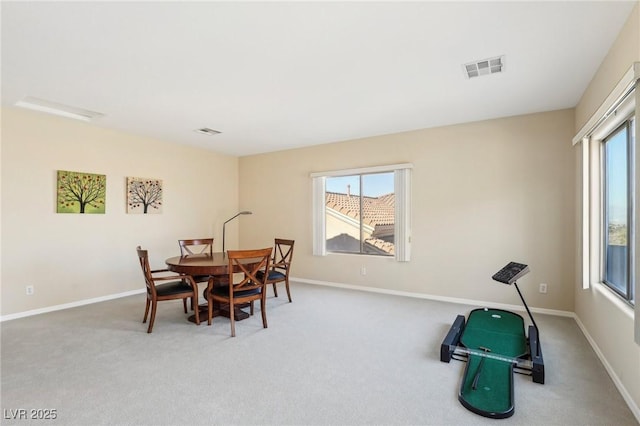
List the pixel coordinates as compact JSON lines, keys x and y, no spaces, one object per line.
{"x":332,"y":357}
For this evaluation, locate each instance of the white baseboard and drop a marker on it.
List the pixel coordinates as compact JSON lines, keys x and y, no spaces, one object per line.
{"x":69,"y":305}
{"x":456,"y":300}
{"x":623,"y":391}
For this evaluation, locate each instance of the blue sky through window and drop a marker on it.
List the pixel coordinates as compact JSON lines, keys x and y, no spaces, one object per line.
{"x":375,"y":184}
{"x":616,"y":155}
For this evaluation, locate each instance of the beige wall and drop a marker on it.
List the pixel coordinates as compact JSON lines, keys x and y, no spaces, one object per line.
{"x":484,"y":194}
{"x":69,"y":257}
{"x":609,"y":325}
{"x":617,"y":61}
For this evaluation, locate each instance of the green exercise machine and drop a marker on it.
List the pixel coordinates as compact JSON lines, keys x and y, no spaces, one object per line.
{"x":494,"y":345}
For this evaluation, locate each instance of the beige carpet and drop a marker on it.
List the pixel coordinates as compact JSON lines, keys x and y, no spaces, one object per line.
{"x":332,"y":357}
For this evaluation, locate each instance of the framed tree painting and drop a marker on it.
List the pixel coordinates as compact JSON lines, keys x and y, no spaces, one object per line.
{"x":144,"y":195}
{"x":81,"y":192}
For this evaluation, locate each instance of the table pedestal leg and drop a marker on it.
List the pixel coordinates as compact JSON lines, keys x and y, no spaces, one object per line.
{"x":219,"y":310}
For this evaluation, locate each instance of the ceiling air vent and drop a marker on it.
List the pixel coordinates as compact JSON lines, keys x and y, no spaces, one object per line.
{"x":484,"y":67}
{"x":207,"y":131}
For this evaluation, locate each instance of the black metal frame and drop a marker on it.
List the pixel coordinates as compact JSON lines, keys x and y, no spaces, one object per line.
{"x":450,"y":349}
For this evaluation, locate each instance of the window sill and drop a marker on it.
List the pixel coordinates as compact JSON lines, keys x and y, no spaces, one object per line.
{"x":373,"y":256}
{"x":620,"y":303}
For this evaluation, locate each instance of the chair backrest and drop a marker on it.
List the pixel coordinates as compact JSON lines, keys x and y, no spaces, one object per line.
{"x":196,"y":246}
{"x":283,"y":253}
{"x":143,"y":257}
{"x":250,"y":280}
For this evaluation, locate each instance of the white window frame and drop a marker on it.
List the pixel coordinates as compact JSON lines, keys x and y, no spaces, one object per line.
{"x":623,"y":121}
{"x":617,"y":108}
{"x":402,"y":189}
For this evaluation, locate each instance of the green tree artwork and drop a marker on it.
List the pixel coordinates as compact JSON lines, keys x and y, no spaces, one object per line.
{"x":81,"y":192}
{"x":144,"y":195}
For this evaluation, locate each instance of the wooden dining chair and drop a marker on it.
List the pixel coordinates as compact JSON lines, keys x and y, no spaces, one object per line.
{"x":281,"y":265}
{"x":243,"y":286}
{"x":196,"y":246}
{"x":179,"y":286}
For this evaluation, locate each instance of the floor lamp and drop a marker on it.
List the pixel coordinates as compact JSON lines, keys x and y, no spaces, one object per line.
{"x":224,"y":224}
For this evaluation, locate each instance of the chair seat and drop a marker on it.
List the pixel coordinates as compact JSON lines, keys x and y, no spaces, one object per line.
{"x":173,"y":287}
{"x":273,"y":275}
{"x":224,"y":292}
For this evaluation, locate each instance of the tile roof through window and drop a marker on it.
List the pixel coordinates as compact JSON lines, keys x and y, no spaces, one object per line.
{"x":376,"y":210}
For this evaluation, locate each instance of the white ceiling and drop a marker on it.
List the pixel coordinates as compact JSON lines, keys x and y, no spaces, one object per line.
{"x":272,"y":76}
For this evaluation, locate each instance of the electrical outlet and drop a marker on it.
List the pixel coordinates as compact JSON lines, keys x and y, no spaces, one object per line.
{"x":543,"y":288}
{"x":363,"y":270}
{"x":30,"y":290}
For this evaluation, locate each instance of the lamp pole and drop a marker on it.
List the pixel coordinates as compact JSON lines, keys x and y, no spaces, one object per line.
{"x":224,"y":224}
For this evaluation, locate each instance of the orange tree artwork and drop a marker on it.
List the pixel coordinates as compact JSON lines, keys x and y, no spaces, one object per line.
{"x":81,"y":192}
{"x":144,"y":195}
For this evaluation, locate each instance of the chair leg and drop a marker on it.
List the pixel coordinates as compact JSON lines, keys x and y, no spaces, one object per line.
{"x":232,"y":309}
{"x":286,"y":282}
{"x":275,"y":290}
{"x":251,"y":308}
{"x":184,"y":303}
{"x":263,"y":308}
{"x":209,"y":309}
{"x":146,"y":311}
{"x":154,"y":306}
{"x":197,"y":312}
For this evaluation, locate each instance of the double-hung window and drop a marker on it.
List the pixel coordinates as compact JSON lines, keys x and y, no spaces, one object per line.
{"x":363,"y":211}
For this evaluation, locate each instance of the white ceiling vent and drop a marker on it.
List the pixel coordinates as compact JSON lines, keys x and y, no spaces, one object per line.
{"x":207,"y":131}
{"x":484,"y":67}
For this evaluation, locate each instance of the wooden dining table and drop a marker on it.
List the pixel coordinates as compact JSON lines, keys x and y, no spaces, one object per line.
{"x":216,"y":266}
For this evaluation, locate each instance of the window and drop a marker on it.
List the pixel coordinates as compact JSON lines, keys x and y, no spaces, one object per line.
{"x":609,"y":235}
{"x":609,"y":211}
{"x":363,"y":211}
{"x":608,"y":231}
{"x":617,"y":210}
{"x":360,"y":214}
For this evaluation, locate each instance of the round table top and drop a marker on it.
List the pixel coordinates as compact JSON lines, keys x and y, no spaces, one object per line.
{"x":203,"y":264}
